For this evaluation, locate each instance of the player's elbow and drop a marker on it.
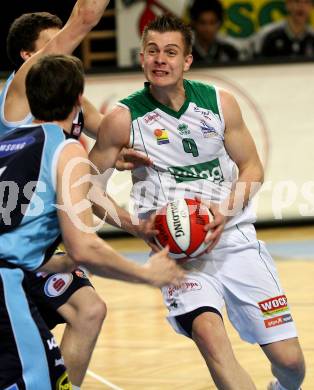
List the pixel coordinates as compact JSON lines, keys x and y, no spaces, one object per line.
{"x":84,"y":250}
{"x":260,"y":174}
{"x":89,"y":16}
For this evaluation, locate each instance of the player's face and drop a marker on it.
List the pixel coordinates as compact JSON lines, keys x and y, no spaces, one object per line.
{"x":163,"y":58}
{"x":299,"y":10}
{"x":206,"y":27}
{"x":44,"y":37}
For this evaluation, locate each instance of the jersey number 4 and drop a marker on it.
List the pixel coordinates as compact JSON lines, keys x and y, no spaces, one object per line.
{"x":190,"y":146}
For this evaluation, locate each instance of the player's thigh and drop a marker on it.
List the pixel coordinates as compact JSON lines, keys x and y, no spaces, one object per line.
{"x":53,"y":291}
{"x":198,"y":290}
{"x":255,"y":301}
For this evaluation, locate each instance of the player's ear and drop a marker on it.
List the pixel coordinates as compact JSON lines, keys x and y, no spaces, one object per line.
{"x":187,"y":62}
{"x":142,"y":59}
{"x":80,"y":100}
{"x":26,"y":54}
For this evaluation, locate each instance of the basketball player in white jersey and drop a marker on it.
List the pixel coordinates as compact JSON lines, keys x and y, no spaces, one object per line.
{"x":200,"y":147}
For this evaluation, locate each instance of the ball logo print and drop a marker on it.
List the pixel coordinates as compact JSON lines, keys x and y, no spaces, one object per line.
{"x":181,"y":226}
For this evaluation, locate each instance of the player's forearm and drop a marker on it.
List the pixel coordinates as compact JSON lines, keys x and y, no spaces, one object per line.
{"x":102,"y":260}
{"x":88,"y":12}
{"x":115,"y":215}
{"x":85,"y":15}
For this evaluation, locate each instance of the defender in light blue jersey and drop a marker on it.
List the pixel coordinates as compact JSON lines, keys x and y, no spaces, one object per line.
{"x":33,"y":160}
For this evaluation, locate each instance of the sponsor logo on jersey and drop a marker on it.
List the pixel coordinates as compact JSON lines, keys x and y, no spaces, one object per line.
{"x":183,"y":129}
{"x":276,"y":321}
{"x":57,"y":284}
{"x":186,"y":286}
{"x":161,"y":136}
{"x":151,"y":118}
{"x":207,"y":130}
{"x":209,"y":170}
{"x":274,"y":305}
{"x":63,"y":383}
{"x":12,"y":146}
{"x":205,"y":113}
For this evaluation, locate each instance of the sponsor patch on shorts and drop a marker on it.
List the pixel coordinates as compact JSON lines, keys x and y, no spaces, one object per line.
{"x":63,"y":382}
{"x":57,"y":284}
{"x":280,"y":320}
{"x":186,"y":286}
{"x":274,"y":305}
{"x":81,"y":274}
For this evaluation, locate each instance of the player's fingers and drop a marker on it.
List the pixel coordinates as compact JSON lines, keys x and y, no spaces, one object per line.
{"x":153,"y":246}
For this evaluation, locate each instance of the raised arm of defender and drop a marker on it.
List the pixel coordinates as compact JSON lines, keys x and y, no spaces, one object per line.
{"x":85,"y":15}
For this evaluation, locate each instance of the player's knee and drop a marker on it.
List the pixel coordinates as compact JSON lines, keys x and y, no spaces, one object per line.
{"x":207,"y":334}
{"x":93,"y":312}
{"x":293,"y":365}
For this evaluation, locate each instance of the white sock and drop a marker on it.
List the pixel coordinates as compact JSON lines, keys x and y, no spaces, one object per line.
{"x":75,"y":387}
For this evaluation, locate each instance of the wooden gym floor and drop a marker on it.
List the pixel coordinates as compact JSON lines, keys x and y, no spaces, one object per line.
{"x":137,"y":349}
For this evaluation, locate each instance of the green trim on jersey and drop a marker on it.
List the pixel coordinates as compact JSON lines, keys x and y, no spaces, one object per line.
{"x":142,"y":101}
{"x":203,"y":95}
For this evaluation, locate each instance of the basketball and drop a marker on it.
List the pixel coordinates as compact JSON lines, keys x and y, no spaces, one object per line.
{"x":181,"y":227}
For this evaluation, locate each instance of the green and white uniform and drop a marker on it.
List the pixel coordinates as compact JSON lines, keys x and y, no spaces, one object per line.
{"x":189,"y":157}
{"x":187,"y":148}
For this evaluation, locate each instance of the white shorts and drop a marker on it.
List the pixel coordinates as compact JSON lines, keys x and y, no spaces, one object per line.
{"x":239,"y":273}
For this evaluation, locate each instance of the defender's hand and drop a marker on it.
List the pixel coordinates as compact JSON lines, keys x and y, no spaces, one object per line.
{"x":163,"y":270}
{"x":130,"y":159}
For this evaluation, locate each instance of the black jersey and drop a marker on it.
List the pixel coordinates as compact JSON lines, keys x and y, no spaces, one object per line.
{"x":277,"y":40}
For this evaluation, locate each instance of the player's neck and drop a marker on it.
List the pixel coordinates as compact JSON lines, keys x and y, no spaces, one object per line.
{"x":65,"y":125}
{"x":172,"y":96}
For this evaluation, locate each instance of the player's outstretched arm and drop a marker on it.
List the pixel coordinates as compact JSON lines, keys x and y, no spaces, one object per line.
{"x":85,"y":15}
{"x":81,"y":242}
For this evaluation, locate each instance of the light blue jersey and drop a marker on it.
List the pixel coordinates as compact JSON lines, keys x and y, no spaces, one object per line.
{"x":5,"y":125}
{"x":29,"y":227}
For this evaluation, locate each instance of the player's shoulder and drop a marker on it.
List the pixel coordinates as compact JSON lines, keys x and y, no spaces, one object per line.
{"x":198,"y":86}
{"x":202,"y":94}
{"x":134,"y":97}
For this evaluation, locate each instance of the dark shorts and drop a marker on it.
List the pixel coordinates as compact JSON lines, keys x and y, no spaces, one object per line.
{"x":49,"y":292}
{"x":29,"y":355}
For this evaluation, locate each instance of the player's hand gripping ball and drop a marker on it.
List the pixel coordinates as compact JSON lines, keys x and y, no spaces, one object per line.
{"x":181,"y":227}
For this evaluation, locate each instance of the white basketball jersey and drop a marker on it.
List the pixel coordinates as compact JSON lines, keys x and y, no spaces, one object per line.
{"x":186,"y":147}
